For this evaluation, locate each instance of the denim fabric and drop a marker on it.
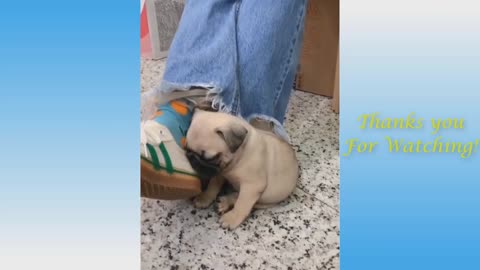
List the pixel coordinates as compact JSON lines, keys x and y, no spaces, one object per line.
{"x":245,"y":51}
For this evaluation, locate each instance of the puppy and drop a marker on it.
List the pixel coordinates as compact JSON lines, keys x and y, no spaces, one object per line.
{"x":260,"y":166}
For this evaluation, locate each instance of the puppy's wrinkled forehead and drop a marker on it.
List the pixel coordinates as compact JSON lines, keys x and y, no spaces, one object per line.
{"x":212,"y":133}
{"x":203,"y":123}
{"x":201,"y":135}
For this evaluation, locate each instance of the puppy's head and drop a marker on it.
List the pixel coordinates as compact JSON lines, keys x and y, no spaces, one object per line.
{"x":213,"y":140}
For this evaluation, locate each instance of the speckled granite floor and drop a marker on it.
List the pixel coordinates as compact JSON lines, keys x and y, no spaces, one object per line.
{"x":302,"y":233}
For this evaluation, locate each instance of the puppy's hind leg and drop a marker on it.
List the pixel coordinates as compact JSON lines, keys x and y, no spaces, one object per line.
{"x":247,"y":197}
{"x":227,"y":202}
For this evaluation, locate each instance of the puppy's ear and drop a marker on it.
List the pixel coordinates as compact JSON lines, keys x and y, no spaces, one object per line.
{"x":233,"y":135}
{"x":262,"y":124}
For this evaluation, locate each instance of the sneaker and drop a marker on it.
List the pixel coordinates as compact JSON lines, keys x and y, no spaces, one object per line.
{"x":165,"y":170}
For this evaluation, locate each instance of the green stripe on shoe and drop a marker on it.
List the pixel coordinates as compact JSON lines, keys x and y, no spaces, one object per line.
{"x":166,"y":157}
{"x":153,"y":154}
{"x":168,"y":162}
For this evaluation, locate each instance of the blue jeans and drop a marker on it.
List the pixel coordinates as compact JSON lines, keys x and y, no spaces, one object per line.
{"x":244,"y":51}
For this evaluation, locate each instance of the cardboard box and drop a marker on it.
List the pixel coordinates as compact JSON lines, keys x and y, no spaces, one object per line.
{"x":336,"y":87}
{"x":318,"y":63}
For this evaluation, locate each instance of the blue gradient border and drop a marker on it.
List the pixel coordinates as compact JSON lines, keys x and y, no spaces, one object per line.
{"x":69,"y":109}
{"x":410,"y":211}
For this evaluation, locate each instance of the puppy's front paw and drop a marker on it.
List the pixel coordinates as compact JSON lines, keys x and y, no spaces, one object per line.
{"x":231,"y":220}
{"x":202,"y":201}
{"x":224,"y":204}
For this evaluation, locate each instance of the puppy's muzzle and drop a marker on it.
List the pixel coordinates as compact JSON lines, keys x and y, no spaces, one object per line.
{"x":207,"y":168}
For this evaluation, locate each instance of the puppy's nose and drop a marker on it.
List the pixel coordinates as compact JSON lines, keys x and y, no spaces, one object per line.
{"x":189,"y":154}
{"x":204,"y":169}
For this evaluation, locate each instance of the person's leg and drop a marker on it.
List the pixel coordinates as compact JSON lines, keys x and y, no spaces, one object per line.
{"x":269,"y":41}
{"x":203,"y":52}
{"x":246,"y":51}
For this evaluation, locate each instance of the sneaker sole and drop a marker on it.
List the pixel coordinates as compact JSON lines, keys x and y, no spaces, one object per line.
{"x":158,"y":184}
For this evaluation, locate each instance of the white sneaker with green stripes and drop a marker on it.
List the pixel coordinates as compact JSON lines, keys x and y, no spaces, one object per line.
{"x":165,"y":170}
